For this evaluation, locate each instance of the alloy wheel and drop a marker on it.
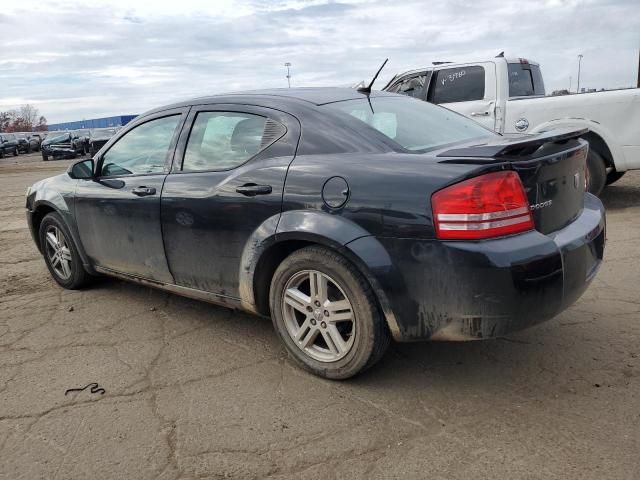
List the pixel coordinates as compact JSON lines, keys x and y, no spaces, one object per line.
{"x":58,"y":252}
{"x":318,"y":316}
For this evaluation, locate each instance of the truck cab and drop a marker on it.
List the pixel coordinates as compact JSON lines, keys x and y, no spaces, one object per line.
{"x":473,"y":89}
{"x":507,"y":95}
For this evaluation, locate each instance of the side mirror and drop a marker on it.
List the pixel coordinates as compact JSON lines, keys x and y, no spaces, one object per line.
{"x":82,"y":170}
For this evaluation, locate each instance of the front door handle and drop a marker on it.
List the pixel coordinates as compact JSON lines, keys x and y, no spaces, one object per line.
{"x":479,"y":114}
{"x":251,"y":189}
{"x":143,"y":191}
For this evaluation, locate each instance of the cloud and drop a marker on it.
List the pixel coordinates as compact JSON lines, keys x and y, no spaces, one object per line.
{"x":75,"y":61}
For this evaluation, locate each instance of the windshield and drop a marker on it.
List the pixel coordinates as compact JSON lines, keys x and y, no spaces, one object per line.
{"x":415,"y":125}
{"x":103,"y":132}
{"x":525,"y":80}
{"x":58,"y":138}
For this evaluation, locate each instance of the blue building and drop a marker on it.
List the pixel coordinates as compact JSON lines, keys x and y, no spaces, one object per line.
{"x":93,"y":123}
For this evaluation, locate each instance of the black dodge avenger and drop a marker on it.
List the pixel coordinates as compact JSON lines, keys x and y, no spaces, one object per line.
{"x":348,"y":218}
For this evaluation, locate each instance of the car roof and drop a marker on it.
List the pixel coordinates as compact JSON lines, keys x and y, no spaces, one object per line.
{"x":282,"y":96}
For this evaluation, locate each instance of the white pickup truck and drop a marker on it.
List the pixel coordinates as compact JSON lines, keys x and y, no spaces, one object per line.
{"x":507,"y":95}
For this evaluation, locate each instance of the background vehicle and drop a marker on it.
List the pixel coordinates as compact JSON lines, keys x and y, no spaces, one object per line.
{"x":61,"y":145}
{"x":35,"y":140}
{"x":98,"y":137}
{"x":23,"y":142}
{"x":8,"y":144}
{"x":397,"y":218}
{"x":508,"y":95}
{"x":80,"y":140}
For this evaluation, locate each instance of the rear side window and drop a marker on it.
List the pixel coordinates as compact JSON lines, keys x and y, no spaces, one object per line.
{"x":412,"y":86}
{"x":461,"y":84}
{"x":525,"y":80}
{"x":225,"y":140}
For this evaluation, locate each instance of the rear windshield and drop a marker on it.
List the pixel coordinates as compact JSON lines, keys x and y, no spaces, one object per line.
{"x":415,"y":125}
{"x":525,"y":80}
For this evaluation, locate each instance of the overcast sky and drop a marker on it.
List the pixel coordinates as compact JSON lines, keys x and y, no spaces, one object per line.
{"x":74,"y":61}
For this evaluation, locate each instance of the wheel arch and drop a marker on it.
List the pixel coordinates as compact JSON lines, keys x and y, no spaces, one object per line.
{"x":599,"y":138}
{"x":40,"y":210}
{"x":261,"y":259}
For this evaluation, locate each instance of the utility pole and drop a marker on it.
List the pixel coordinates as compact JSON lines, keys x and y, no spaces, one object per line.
{"x":638,"y":85}
{"x":570,"y":82}
{"x":288,"y":64}
{"x":579,"y":65}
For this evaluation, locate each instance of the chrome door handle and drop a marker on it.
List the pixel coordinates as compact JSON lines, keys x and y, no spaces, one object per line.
{"x":143,"y":191}
{"x":479,"y":114}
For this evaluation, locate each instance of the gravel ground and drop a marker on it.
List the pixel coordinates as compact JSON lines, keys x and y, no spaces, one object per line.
{"x":197,"y":391}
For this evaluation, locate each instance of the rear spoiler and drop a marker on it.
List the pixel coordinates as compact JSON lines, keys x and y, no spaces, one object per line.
{"x":506,"y":147}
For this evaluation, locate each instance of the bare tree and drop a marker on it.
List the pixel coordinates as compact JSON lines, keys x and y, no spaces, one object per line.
{"x":29,"y":115}
{"x":24,"y":119}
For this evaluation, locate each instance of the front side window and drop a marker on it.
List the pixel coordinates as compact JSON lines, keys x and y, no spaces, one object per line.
{"x":415,"y":126}
{"x":223,"y":140}
{"x":142,"y":150}
{"x":461,"y":84}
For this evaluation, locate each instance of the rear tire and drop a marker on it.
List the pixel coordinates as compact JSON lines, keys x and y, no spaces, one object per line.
{"x":597,"y":173}
{"x":61,"y":254}
{"x":15,"y":152}
{"x":613,"y":176}
{"x":341,"y":335}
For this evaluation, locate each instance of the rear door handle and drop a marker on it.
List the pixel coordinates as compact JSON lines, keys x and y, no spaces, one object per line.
{"x":143,"y":191}
{"x":251,"y":189}
{"x":479,"y":114}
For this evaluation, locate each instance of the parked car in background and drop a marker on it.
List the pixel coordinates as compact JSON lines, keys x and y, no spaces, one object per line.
{"x":98,"y":137}
{"x":508,"y":95}
{"x":80,"y":140}
{"x":8,"y":144}
{"x":35,"y":140}
{"x":61,"y":145}
{"x":23,"y":142}
{"x":389,"y":217}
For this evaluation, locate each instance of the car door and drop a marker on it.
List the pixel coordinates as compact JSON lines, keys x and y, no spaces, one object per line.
{"x":118,"y":213}
{"x":467,"y":89}
{"x":226,"y":184}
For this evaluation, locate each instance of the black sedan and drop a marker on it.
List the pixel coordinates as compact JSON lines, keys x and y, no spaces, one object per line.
{"x":349,"y":219}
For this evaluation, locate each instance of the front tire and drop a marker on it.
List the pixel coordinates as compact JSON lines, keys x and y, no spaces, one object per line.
{"x":60,"y":253}
{"x":597,"y":173}
{"x":326,"y":314}
{"x":45,"y":157}
{"x":15,"y":152}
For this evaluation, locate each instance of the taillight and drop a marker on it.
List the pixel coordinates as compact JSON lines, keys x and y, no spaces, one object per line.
{"x":488,"y":206}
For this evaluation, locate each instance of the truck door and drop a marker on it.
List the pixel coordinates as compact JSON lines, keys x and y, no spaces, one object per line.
{"x":467,"y":89}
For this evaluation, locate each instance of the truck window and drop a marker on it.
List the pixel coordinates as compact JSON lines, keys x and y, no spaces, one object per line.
{"x":413,"y":86}
{"x":461,"y":84}
{"x":525,"y":80}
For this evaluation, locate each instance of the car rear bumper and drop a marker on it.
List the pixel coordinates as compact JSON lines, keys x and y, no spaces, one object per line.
{"x":475,"y":290}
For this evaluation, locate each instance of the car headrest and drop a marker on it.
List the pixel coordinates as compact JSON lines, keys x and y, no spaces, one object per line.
{"x":247,"y":135}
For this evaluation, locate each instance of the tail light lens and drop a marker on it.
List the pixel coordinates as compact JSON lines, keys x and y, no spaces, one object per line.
{"x":487,"y":206}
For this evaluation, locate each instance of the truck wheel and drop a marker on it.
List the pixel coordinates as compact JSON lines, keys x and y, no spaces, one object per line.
{"x":613,"y":176}
{"x":596,"y":173}
{"x":326,"y":314}
{"x":45,"y":157}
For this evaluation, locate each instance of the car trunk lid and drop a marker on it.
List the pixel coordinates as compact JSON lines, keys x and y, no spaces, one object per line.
{"x":551,"y":166}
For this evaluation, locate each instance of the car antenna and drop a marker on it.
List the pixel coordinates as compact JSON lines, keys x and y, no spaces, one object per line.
{"x":500,"y":55}
{"x":367,"y":89}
